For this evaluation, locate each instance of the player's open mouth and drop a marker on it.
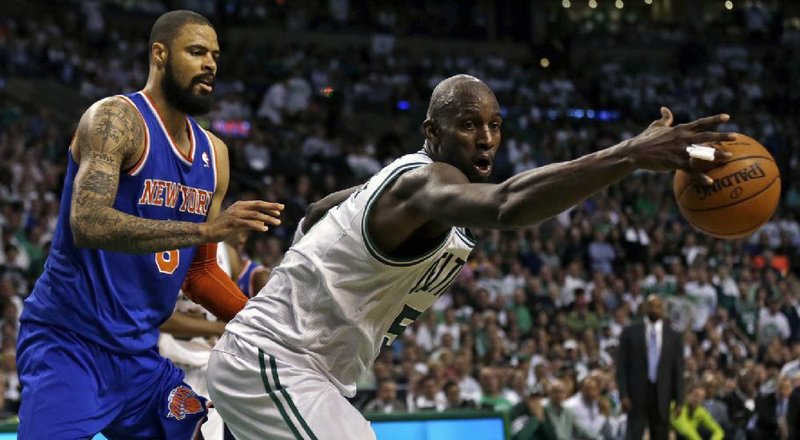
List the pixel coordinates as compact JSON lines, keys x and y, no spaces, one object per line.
{"x":206,"y":87}
{"x":484,"y":166}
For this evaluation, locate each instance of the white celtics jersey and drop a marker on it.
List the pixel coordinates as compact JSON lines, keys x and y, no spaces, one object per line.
{"x":335,"y":299}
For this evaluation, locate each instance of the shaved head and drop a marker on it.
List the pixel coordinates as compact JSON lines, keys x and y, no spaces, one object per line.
{"x":168,"y":25}
{"x":462,"y":127}
{"x":446,"y":94}
{"x":654,"y":307}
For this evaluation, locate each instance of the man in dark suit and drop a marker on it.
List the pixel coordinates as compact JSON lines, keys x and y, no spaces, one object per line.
{"x":650,"y":372}
{"x":793,"y":415}
{"x":771,"y":412}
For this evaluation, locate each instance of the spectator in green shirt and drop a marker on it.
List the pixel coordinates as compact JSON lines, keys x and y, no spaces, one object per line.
{"x":582,"y":318}
{"x":521,"y":311}
{"x":491,"y":393}
{"x":694,"y":422}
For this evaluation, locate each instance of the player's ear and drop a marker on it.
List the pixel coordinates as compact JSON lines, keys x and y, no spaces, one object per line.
{"x":158,"y":54}
{"x":431,"y":131}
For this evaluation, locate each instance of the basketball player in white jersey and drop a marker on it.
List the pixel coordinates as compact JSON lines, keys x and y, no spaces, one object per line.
{"x":375,"y":262}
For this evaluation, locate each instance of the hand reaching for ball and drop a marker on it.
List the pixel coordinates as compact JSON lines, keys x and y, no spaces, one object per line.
{"x":662,"y":147}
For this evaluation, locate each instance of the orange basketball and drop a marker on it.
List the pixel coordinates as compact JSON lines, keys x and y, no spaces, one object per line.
{"x":743,"y":197}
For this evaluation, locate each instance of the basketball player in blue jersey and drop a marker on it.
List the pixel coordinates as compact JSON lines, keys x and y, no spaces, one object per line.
{"x":249,"y":275}
{"x":139,"y":211}
{"x":253,"y":277}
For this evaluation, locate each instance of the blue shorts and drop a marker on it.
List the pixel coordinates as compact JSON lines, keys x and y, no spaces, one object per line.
{"x":73,"y":389}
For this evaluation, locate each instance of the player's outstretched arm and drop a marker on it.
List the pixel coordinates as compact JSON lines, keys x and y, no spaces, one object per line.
{"x":442,"y":193}
{"x":110,"y":136}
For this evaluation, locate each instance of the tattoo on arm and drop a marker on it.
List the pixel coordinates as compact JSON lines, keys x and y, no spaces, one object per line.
{"x":110,"y":135}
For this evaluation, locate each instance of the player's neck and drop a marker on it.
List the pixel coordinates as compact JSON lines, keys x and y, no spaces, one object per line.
{"x":173,"y":119}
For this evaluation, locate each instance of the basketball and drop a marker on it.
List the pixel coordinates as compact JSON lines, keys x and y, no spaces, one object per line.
{"x":744,"y":195}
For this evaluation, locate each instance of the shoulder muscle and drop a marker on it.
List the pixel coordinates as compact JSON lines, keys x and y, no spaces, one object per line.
{"x":111,"y":130}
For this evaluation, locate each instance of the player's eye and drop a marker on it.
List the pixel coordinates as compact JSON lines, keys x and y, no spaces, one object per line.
{"x":469,"y":125}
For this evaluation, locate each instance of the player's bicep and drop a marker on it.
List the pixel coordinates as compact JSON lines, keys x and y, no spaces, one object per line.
{"x":109,"y":135}
{"x":443,"y":194}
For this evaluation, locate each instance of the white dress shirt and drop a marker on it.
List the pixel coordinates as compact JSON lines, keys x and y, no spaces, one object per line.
{"x":648,"y":327}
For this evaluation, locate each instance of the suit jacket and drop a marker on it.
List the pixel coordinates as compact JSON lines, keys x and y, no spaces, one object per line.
{"x":793,"y":415}
{"x":737,"y":411}
{"x":632,"y":368}
{"x":767,"y":415}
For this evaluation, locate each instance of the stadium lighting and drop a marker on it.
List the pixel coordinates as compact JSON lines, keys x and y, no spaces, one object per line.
{"x":544,"y":62}
{"x":566,"y":4}
{"x":648,"y":2}
{"x":619,"y":4}
{"x":592,"y":4}
{"x":729,"y":5}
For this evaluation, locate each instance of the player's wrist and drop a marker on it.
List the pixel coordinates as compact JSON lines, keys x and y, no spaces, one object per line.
{"x":204,"y":232}
{"x":624,"y":154}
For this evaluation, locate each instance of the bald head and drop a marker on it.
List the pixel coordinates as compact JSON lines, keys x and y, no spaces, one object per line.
{"x":654,"y":307}
{"x":463,"y":126}
{"x":448,"y":93}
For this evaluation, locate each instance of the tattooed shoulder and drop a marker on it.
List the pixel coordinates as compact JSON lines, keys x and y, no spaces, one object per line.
{"x":113,"y":133}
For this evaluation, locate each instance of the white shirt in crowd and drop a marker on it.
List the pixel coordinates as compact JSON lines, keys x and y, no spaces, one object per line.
{"x":770,"y":325}
{"x":587,"y":416}
{"x":704,"y":298}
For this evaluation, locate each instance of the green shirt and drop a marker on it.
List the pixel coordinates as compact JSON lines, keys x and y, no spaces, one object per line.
{"x":498,"y":403}
{"x":687,"y":424}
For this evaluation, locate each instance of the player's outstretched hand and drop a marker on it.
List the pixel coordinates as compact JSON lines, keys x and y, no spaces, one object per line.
{"x":662,"y":147}
{"x":249,"y":215}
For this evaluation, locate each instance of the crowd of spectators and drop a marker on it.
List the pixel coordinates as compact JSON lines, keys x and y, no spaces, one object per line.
{"x":530,"y":325}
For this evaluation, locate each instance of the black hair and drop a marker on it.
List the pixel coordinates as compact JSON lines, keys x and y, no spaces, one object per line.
{"x":167,"y":26}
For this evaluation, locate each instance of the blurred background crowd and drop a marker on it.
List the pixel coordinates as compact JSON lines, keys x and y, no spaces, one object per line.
{"x":317,"y":96}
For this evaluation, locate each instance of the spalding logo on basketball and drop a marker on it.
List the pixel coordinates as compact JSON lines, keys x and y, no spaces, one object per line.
{"x":182,"y":401}
{"x":744,"y":195}
{"x":735,"y":179}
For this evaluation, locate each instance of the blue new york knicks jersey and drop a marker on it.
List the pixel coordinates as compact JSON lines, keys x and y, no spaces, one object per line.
{"x":114,"y":299}
{"x":245,"y":281}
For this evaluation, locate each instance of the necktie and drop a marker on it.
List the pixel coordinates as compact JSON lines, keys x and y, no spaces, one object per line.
{"x":652,"y":356}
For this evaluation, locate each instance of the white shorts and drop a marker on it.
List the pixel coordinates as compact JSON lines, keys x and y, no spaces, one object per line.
{"x":261,"y":397}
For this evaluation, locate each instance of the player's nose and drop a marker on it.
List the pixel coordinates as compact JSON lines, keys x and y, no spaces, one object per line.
{"x":484,"y":138}
{"x":209,"y":64}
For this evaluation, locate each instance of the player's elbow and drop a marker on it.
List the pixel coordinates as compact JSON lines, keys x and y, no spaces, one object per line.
{"x":79,"y":235}
{"x":81,"y":230}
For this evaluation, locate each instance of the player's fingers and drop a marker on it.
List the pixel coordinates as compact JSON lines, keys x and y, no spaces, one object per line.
{"x":261,"y":205}
{"x":698,"y":166}
{"x":701,"y":178}
{"x":721,"y":156}
{"x":665,"y":120}
{"x":259,"y":216}
{"x":709,"y":121}
{"x":710,"y":136}
{"x":255,"y":226}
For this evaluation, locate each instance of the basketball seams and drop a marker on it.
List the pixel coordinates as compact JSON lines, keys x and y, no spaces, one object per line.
{"x":738,"y":234}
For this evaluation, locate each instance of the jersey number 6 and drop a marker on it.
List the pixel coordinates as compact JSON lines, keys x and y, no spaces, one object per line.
{"x":168,"y":261}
